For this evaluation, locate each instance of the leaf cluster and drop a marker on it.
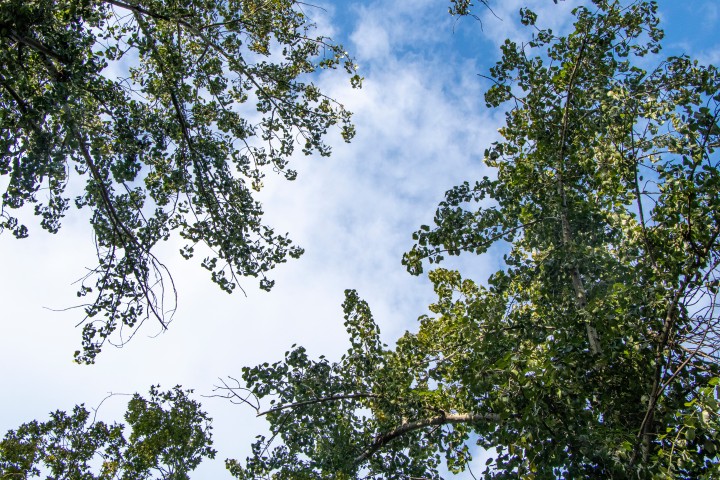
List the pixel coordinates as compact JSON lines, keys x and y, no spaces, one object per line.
{"x":171,"y":113}
{"x":169,"y":436}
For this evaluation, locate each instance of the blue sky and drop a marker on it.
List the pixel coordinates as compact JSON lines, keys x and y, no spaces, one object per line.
{"x":422,"y":128}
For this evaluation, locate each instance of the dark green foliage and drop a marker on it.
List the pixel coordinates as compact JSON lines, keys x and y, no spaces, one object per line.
{"x":171,"y":113}
{"x":593,"y":352}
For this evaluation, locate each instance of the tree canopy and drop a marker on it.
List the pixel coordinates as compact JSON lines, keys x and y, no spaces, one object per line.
{"x":171,"y":113}
{"x":593,"y":352}
{"x":169,"y":437}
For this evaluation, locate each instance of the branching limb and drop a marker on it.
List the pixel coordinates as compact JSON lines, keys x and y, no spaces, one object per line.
{"x":331,"y":398}
{"x":567,"y":239}
{"x":37,"y":46}
{"x":444,"y":419}
{"x":231,"y":393}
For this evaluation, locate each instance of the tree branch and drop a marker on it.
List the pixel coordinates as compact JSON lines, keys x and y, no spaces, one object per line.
{"x":122,"y":230}
{"x":645,"y":430}
{"x":37,"y":46}
{"x":580,"y":292}
{"x":319,"y":400}
{"x":496,"y":237}
{"x":444,"y":419}
{"x":138,"y":10}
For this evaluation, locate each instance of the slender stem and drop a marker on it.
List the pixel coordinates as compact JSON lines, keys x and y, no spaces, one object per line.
{"x":578,"y":287}
{"x":331,"y":398}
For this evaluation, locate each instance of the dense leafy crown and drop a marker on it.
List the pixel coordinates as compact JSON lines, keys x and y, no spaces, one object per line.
{"x":594,"y":352}
{"x":169,"y":437}
{"x":171,"y":112}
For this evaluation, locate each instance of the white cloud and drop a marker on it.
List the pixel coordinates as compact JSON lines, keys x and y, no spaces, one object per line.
{"x":371,"y":41}
{"x":709,"y":56}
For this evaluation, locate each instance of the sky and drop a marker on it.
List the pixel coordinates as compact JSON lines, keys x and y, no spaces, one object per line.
{"x":422,"y":128}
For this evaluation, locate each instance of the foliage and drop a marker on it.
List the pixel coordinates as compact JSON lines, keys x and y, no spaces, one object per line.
{"x":594,"y":352}
{"x":171,"y":112}
{"x":169,"y":437}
